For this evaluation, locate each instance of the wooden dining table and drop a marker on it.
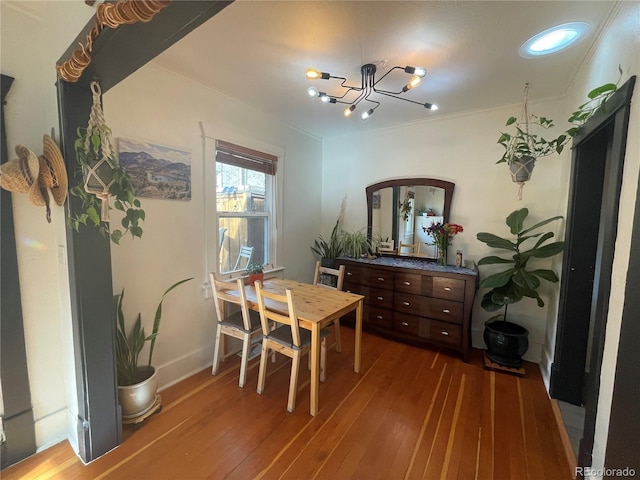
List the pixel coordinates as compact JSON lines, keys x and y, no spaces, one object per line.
{"x":316,"y":307}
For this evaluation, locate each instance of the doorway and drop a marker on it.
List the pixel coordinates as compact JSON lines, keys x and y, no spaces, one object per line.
{"x":592,"y":221}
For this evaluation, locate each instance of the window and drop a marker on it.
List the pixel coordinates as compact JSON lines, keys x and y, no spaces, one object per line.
{"x":244,"y":206}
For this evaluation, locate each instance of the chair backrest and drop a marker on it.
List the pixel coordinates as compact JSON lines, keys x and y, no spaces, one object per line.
{"x":245,"y":252}
{"x":270,"y":313}
{"x":414,"y":246}
{"x":221,"y":294}
{"x":338,"y":274}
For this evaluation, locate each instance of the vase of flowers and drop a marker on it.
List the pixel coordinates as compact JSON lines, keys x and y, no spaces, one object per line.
{"x":442,"y":234}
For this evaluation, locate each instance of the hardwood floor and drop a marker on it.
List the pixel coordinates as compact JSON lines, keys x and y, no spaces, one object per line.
{"x":410,"y":413}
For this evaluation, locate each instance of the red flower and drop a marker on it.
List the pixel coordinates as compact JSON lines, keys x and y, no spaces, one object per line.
{"x":443,"y":233}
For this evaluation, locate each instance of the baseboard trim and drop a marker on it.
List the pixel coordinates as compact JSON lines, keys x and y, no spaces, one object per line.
{"x":564,"y":436}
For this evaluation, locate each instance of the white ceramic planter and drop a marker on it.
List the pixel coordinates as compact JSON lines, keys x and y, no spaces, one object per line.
{"x":137,"y":399}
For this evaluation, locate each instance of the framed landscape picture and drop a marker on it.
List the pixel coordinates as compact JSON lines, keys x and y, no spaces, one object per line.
{"x":156,"y":171}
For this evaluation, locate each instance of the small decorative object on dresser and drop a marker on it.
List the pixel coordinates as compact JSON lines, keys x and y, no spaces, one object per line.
{"x":414,"y":301}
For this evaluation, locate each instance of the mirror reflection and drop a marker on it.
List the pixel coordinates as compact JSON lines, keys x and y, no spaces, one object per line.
{"x":399,"y":209}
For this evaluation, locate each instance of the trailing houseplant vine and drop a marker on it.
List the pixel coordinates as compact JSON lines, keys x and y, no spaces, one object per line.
{"x":104,"y":177}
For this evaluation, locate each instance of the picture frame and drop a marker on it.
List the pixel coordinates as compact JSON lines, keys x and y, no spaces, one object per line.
{"x":156,"y":171}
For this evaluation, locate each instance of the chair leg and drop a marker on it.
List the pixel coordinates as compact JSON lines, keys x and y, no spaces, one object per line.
{"x":336,"y":325}
{"x":246,"y":344}
{"x":263,"y":366}
{"x":323,"y":360}
{"x":216,"y":351}
{"x":293,"y":382}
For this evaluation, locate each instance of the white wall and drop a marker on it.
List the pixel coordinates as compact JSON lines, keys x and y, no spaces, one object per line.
{"x":460,"y":149}
{"x":33,"y":36}
{"x":619,"y":46}
{"x":162,"y":107}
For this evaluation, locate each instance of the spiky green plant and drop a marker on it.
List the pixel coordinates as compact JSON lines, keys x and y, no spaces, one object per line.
{"x":128,"y":347}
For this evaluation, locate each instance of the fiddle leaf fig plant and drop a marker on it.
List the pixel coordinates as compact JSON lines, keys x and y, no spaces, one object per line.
{"x":517,"y":280}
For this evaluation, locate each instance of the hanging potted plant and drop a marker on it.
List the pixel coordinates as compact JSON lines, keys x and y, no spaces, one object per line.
{"x":507,"y":341}
{"x":104,"y":177}
{"x":526,"y":144}
{"x":137,"y":385}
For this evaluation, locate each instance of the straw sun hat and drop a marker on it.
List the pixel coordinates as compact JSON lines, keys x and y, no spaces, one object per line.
{"x":33,"y":175}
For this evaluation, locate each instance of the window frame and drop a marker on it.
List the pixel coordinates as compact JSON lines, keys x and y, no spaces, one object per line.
{"x":273,"y":210}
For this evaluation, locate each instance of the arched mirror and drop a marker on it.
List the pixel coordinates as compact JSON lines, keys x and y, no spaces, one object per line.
{"x":397,"y":211}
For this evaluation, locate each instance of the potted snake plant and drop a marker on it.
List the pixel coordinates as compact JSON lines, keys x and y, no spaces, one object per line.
{"x":137,"y":384}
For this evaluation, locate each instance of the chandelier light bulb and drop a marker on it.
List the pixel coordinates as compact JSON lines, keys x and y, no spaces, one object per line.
{"x":313,"y":92}
{"x":324,"y":97}
{"x":349,"y":110}
{"x":367,"y":114}
{"x":313,"y":74}
{"x":420,"y":71}
{"x":430,"y":106}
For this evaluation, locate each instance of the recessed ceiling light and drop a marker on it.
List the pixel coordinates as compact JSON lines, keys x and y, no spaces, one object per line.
{"x":554,"y":39}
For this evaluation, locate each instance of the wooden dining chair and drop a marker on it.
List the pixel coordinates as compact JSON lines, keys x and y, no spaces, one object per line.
{"x":244,"y":324}
{"x":336,"y":279}
{"x":415,"y":247}
{"x":286,"y":338}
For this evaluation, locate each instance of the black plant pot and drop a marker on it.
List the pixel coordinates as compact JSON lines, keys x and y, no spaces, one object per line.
{"x":506,"y":342}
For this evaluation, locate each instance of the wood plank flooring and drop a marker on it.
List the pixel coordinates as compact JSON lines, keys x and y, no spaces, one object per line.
{"x":410,"y":413}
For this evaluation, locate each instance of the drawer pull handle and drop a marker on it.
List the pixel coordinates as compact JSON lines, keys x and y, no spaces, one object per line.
{"x":379,"y":317}
{"x":349,"y":274}
{"x":405,"y":324}
{"x":445,"y":333}
{"x":380,"y":279}
{"x":446,"y":310}
{"x":406,"y":304}
{"x":380,"y":298}
{"x":448,"y":289}
{"x":407,"y":283}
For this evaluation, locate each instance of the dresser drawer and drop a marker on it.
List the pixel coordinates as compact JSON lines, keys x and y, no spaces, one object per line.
{"x":448,"y":288}
{"x":378,"y":317}
{"x":353,"y":274}
{"x":408,"y":283}
{"x":406,"y":324}
{"x":442,"y":309}
{"x":356,"y":288}
{"x":380,"y":298}
{"x":407,"y":303}
{"x":381,"y":279}
{"x":445,"y":333}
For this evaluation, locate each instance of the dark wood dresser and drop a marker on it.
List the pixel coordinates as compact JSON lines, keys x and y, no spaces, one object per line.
{"x":414,"y":301}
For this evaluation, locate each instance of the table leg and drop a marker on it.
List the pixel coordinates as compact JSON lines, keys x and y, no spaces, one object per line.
{"x":356,"y":362}
{"x":315,"y":368}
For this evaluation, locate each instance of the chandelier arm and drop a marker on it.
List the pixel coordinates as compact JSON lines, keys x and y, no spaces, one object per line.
{"x":381,"y":92}
{"x":387,"y":92}
{"x":388,"y":72}
{"x":350,"y":89}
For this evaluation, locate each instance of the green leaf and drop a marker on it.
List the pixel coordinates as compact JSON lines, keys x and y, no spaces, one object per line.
{"x":493,"y":259}
{"x":607,"y":87}
{"x":498,"y":279}
{"x":515,"y":220}
{"x":540,"y":224}
{"x":136,"y":203}
{"x":136,"y":231}
{"x":511,"y":121}
{"x":116,"y":235}
{"x":545,"y":274}
{"x":92,"y":213}
{"x":547,"y":250}
{"x":496,"y":242}
{"x":488,"y":304}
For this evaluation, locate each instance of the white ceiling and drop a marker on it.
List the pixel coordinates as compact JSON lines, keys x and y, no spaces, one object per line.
{"x":258,"y":52}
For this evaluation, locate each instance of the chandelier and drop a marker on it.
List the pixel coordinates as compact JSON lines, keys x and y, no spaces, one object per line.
{"x":367,"y":87}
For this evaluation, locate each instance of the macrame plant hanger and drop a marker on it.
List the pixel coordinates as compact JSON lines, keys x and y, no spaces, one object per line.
{"x":521,"y":168}
{"x":98,"y":176}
